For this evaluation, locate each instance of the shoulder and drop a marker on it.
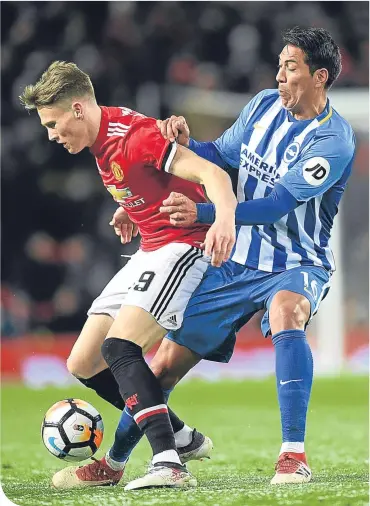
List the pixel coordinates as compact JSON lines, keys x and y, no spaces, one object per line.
{"x":124,"y":115}
{"x":264,"y":98}
{"x":338,"y":133}
{"x":269,"y":93}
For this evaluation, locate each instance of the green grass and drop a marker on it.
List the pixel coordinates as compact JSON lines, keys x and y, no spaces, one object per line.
{"x":243,"y":421}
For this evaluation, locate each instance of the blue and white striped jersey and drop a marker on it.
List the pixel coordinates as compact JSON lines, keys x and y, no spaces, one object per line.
{"x":311,"y":158}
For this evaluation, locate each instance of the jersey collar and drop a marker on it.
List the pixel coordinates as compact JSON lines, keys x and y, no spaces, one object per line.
{"x":102,"y":134}
{"x":320,"y":118}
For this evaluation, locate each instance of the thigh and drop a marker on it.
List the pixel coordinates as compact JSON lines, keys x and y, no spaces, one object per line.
{"x":138,"y":326}
{"x":309,"y":281}
{"x":215,"y":311}
{"x":172,"y":362}
{"x":85,"y":359}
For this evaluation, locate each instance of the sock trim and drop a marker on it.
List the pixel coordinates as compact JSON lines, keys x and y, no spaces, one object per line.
{"x":288,"y":334}
{"x":166,"y":456}
{"x":154,"y":410}
{"x":184,"y":436}
{"x":292,"y":447}
{"x":116,"y":465}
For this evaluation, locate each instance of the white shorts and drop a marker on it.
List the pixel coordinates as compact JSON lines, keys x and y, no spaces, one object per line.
{"x":160,"y":281}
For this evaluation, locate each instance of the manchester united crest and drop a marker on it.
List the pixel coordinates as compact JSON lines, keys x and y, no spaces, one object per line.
{"x":117,"y":171}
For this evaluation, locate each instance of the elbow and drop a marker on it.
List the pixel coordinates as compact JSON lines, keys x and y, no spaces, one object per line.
{"x":278,"y":216}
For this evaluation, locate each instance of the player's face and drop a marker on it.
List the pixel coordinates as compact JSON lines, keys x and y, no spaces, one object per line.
{"x":64,"y":127}
{"x":296,"y":84}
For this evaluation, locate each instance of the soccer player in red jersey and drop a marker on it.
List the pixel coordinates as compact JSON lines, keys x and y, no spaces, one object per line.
{"x":140,"y":169}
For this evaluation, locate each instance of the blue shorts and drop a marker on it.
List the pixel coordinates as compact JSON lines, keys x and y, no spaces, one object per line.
{"x":230,"y":295}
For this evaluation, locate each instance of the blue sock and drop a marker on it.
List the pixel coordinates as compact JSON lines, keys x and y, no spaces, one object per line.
{"x":128,"y":435}
{"x":294,"y":372}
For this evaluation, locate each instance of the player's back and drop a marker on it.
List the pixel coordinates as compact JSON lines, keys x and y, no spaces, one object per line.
{"x":133,"y":160}
{"x":312,"y":159}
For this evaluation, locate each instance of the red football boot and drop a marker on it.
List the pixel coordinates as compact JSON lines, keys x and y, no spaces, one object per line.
{"x":291,"y":468}
{"x":96,"y":474}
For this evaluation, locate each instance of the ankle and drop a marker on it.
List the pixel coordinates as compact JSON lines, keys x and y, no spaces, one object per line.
{"x":292,"y":447}
{"x":114,"y":464}
{"x":166,"y":456}
{"x":183,"y":437}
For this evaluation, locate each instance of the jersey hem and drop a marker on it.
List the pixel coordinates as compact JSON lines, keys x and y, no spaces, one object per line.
{"x":190,"y":242}
{"x":266,"y":268}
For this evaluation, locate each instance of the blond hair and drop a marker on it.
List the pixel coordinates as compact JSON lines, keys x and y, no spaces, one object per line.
{"x":60,"y":81}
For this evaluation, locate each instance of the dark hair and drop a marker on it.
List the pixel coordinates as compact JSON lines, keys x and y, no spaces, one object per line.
{"x":320,"y":49}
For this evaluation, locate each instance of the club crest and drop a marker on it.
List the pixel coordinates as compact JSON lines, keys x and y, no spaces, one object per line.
{"x":117,"y":171}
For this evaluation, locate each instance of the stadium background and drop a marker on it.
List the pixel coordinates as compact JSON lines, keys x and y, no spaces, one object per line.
{"x":203,"y":60}
{"x":200,"y":59}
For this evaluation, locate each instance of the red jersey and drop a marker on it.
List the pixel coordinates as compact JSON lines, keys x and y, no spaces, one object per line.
{"x":133,"y":159}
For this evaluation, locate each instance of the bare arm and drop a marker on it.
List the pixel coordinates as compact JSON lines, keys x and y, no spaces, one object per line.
{"x":220,"y":238}
{"x":216,"y":181}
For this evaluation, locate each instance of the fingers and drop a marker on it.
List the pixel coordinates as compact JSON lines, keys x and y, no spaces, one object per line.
{"x":229,"y":249}
{"x":135,"y":230}
{"x":174,"y":199}
{"x":162,"y":125}
{"x":172,"y":131}
{"x":170,"y":209}
{"x":208,"y":246}
{"x":218,"y":245}
{"x":171,"y":127}
{"x":179,"y":222}
{"x":216,"y":252}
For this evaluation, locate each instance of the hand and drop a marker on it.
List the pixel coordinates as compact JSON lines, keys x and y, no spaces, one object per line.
{"x":182,"y":210}
{"x":175,"y":128}
{"x":123,"y":226}
{"x":220,"y":240}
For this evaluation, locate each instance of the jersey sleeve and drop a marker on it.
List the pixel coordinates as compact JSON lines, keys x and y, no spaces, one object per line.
{"x":146,"y":145}
{"x":320,"y":167}
{"x":229,"y":143}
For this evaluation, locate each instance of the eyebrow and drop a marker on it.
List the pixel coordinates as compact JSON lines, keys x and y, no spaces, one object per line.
{"x":48,"y":123}
{"x":289,"y":61}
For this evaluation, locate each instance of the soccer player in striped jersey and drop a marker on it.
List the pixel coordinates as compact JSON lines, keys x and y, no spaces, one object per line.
{"x":294,"y":153}
{"x":149,"y":295}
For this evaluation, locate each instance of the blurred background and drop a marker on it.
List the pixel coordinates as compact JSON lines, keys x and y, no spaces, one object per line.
{"x":203,"y":60}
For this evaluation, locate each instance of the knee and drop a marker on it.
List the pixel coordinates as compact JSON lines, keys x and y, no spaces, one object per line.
{"x":165,"y":374}
{"x":289,"y":313}
{"x":79,"y":368}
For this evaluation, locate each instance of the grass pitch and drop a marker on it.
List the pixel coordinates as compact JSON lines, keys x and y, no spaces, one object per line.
{"x":243,"y":421}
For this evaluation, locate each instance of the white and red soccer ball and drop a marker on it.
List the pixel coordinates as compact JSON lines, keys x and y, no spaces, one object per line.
{"x":72,"y":430}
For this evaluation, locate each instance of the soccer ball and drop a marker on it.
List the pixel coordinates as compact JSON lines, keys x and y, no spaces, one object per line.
{"x":72,"y":430}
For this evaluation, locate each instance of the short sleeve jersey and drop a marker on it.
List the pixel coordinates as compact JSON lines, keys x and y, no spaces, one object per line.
{"x":311,"y":158}
{"x":133,"y":160}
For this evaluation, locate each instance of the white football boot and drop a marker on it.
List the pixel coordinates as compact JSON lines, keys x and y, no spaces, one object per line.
{"x":199,"y":448}
{"x":164,"y":475}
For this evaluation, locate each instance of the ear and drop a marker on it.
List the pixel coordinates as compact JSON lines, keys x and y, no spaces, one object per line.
{"x":321,"y":76}
{"x":77,"y":110}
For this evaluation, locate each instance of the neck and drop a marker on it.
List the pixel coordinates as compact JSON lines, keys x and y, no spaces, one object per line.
{"x":313,"y":109}
{"x":93,"y":124}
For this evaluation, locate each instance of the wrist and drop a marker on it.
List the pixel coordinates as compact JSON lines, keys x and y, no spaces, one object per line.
{"x":225,"y":214}
{"x":205,"y":213}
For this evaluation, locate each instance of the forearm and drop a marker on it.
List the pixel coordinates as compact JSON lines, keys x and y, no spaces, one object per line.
{"x":206,"y":150}
{"x":262,"y":211}
{"x":219,"y":190}
{"x":216,"y":181}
